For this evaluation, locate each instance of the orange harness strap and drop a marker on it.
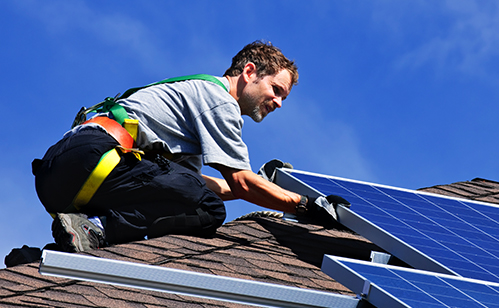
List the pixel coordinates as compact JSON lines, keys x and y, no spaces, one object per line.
{"x":114,"y":129}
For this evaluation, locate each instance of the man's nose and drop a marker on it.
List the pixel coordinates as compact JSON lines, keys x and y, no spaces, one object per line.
{"x":278,"y":101}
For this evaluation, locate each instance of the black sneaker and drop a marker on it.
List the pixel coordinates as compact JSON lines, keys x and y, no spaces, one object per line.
{"x":73,"y":232}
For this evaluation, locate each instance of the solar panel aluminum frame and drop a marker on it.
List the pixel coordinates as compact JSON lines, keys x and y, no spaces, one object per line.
{"x":353,"y":221}
{"x":156,"y":278}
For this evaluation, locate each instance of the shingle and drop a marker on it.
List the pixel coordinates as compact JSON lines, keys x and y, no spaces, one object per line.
{"x":217,"y":242}
{"x":129,"y":251}
{"x":440,"y":191}
{"x":129,"y":295}
{"x":253,"y":271}
{"x":113,"y":302}
{"x":331,"y":286}
{"x":164,"y":295}
{"x":248,"y":253}
{"x":224,"y":259}
{"x":29,"y":301}
{"x":233,"y":274}
{"x":160,"y":242}
{"x":109,"y":253}
{"x":250,"y":234}
{"x":493,"y":185}
{"x":205,"y":302}
{"x":273,"y":248}
{"x":203,"y":266}
{"x":79,"y":288}
{"x":20,"y":283}
{"x":268,"y":264}
{"x":191,"y":243}
{"x":61,"y":296}
{"x":476,"y":189}
{"x":285,"y":260}
{"x":149,"y":298}
{"x":278,"y":277}
{"x":489,"y":199}
{"x":5,"y":292}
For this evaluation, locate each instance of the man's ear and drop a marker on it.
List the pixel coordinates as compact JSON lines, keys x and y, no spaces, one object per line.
{"x":249,"y":71}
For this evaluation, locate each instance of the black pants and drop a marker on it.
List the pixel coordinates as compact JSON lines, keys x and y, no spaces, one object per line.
{"x":139,"y":197}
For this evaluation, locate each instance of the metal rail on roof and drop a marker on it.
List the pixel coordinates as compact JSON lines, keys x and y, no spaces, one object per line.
{"x":81,"y":267}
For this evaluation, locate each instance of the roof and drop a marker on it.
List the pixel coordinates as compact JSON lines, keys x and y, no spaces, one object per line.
{"x":260,"y":247}
{"x":477,"y":189}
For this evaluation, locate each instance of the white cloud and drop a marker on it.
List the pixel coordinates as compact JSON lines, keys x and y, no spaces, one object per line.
{"x":465,"y":39}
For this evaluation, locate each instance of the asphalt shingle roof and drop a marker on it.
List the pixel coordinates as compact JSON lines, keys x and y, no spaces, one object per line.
{"x":477,"y":189}
{"x":265,"y":249}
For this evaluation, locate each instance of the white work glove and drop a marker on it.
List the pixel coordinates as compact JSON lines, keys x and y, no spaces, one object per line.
{"x":321,"y":208}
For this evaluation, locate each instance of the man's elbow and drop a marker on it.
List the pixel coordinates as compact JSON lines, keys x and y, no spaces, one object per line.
{"x":239,"y":184}
{"x":240,"y":190}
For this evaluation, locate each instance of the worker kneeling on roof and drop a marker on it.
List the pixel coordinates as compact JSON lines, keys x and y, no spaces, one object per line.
{"x":112,"y":180}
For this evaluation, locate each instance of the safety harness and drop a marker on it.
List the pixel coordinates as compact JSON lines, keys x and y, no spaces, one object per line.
{"x":123,"y":129}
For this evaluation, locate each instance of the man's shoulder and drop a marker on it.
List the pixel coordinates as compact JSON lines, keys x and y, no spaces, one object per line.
{"x":206,"y":94}
{"x":214,"y":83}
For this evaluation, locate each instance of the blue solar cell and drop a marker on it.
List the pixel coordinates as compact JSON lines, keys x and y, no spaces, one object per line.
{"x":461,"y":235}
{"x":480,"y":292}
{"x":413,"y":287}
{"x":481,"y":241}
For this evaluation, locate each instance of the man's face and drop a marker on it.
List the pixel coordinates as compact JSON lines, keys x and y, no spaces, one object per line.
{"x":263,"y":95}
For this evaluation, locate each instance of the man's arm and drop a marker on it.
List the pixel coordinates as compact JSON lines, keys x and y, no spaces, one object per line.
{"x":220,"y":187}
{"x":246,"y":185}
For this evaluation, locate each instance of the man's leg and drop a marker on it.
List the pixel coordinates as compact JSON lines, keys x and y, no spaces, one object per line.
{"x":155,"y":198}
{"x":58,"y":178}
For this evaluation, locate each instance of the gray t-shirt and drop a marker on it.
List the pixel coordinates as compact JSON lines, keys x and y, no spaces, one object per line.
{"x":197,"y":119}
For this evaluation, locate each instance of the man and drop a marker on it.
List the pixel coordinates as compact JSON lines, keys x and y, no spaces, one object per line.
{"x":191,"y":122}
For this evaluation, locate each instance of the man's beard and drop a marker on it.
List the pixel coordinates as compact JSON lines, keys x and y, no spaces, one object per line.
{"x":256,"y":114}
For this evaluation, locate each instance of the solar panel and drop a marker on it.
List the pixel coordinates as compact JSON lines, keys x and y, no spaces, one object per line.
{"x":390,"y":286}
{"x":427,"y":231}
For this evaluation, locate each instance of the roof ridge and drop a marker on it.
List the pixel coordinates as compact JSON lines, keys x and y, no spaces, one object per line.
{"x":477,"y":189}
{"x":484,"y":180}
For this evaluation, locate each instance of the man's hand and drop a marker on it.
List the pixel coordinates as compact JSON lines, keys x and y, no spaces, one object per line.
{"x":267,"y":171}
{"x":322,"y":208}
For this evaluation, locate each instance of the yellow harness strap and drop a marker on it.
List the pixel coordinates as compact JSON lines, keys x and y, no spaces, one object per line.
{"x":106,"y":164}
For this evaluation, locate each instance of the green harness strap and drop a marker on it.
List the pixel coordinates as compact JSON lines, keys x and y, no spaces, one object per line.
{"x":119,"y":112}
{"x":175,"y":79}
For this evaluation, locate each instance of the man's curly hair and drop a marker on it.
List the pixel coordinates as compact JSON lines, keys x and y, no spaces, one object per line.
{"x":267,"y":58}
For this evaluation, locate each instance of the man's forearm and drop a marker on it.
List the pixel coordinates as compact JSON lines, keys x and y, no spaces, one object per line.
{"x":246,"y":185}
{"x":220,"y":187}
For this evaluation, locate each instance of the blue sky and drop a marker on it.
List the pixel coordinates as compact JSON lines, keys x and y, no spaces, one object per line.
{"x":394,"y":92}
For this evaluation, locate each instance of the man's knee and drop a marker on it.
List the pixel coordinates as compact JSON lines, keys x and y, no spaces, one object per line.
{"x":204,"y":222}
